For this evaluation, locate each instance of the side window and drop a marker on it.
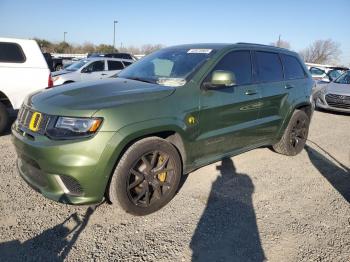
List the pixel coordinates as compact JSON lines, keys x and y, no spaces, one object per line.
{"x":316,"y":71}
{"x":115,"y":65}
{"x":292,"y":67}
{"x":269,"y":66}
{"x":239,"y":63}
{"x":11,"y":53}
{"x":96,"y":66}
{"x":126,"y":63}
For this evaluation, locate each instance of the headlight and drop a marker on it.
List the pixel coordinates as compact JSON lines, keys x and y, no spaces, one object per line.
{"x":71,"y":127}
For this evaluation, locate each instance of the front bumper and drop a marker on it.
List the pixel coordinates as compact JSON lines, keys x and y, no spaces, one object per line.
{"x":67,"y":171}
{"x":322,"y":103}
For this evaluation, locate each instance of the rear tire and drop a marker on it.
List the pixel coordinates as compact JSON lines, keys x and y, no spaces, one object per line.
{"x":4,"y":118}
{"x":146,"y":177}
{"x":295,"y":135}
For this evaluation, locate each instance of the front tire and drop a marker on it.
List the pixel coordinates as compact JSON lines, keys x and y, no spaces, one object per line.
{"x":295,"y":135}
{"x":4,"y":118}
{"x":146,"y":177}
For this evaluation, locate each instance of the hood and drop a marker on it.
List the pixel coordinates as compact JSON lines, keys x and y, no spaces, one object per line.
{"x":339,"y":89}
{"x":85,"y":98}
{"x":61,"y":72}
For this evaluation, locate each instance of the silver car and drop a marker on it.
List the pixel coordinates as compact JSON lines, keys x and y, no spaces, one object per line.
{"x":90,"y":69}
{"x":335,"y":95}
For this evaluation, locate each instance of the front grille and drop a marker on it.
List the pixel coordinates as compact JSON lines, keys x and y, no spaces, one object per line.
{"x":72,"y":185}
{"x":24,"y":118}
{"x":338,"y":101}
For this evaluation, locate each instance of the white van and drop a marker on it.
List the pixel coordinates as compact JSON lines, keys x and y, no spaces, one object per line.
{"x":23,"y":69}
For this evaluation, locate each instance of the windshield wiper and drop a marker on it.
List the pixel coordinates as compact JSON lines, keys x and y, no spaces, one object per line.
{"x":141,"y":79}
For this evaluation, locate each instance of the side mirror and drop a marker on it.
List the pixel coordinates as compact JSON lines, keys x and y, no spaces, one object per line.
{"x":86,"y":70}
{"x":220,"y":79}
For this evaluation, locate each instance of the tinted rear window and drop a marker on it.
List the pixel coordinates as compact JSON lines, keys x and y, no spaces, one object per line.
{"x":292,"y":67}
{"x":115,"y":65}
{"x":11,"y":53}
{"x":239,"y":63}
{"x":269,"y":67}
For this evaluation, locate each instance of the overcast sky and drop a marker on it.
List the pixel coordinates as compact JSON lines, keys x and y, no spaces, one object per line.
{"x":179,"y":21}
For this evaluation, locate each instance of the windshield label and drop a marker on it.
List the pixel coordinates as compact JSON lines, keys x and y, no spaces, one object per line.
{"x":199,"y":51}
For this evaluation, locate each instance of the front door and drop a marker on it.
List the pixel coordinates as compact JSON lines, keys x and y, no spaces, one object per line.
{"x":228,"y":115}
{"x":93,"y":71}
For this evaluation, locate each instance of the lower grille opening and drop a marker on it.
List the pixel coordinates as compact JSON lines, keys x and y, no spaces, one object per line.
{"x":72,"y":185}
{"x":33,"y":171}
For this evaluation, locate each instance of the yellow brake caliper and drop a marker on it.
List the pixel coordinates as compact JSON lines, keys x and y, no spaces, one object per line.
{"x":161,"y":176}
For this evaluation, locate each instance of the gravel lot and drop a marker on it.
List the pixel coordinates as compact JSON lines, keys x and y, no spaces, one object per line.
{"x":253,"y":207}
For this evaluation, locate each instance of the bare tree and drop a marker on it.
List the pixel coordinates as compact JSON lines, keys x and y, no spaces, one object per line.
{"x":322,"y":51}
{"x":147,"y":49}
{"x":281,"y":43}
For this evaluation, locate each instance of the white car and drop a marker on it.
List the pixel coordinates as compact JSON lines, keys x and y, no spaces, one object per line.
{"x":325,"y":73}
{"x":90,"y":69}
{"x":23,"y":70}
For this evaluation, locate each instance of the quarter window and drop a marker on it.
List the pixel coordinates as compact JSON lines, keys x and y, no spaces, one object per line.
{"x":292,"y":67}
{"x":317,"y":71}
{"x":269,"y":67}
{"x":115,"y":65}
{"x":11,"y":53}
{"x":239,"y":63}
{"x":126,"y":63}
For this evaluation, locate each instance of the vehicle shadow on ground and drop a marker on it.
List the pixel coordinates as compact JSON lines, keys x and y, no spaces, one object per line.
{"x":53,"y":244}
{"x":338,"y":175}
{"x":227,"y":230}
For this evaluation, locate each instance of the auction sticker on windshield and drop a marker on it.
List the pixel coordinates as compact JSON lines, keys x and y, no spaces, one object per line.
{"x":199,"y":51}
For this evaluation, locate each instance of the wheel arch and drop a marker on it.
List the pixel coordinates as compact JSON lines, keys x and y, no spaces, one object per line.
{"x":120,"y":143}
{"x":301,"y":105}
{"x":5,"y":100}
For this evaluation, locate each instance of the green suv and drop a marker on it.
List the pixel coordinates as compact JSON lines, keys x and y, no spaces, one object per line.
{"x":130,"y":138}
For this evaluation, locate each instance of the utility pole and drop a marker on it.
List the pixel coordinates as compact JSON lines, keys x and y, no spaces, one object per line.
{"x":114,"y":22}
{"x":64,"y":36}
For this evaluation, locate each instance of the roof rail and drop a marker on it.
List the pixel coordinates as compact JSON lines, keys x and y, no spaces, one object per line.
{"x":244,"y":43}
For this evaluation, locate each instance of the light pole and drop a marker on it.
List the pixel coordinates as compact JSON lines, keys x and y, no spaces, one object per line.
{"x":64,"y":36}
{"x":114,"y":22}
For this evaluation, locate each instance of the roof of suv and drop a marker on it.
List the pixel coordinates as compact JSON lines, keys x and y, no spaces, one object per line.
{"x":107,"y":58}
{"x":219,"y":46}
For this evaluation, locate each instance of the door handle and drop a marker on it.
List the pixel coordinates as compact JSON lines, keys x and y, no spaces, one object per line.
{"x":103,"y":74}
{"x":250,"y":92}
{"x":288,"y":86}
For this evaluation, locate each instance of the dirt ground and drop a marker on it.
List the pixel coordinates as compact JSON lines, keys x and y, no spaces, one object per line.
{"x":253,"y":207}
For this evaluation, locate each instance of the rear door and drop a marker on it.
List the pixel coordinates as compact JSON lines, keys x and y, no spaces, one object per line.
{"x":113,"y":67}
{"x":277,"y":93}
{"x":227,"y":116}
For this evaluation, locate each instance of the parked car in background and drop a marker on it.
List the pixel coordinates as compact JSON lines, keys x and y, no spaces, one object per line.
{"x":334,"y":96}
{"x":131,"y":138}
{"x":23,"y":70}
{"x":54,"y":63}
{"x":325,"y":73}
{"x":93,"y":68}
{"x":115,"y":55}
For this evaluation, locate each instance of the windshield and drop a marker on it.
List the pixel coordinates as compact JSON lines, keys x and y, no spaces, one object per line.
{"x":77,"y":65}
{"x":170,"y":67}
{"x":343,"y":79}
